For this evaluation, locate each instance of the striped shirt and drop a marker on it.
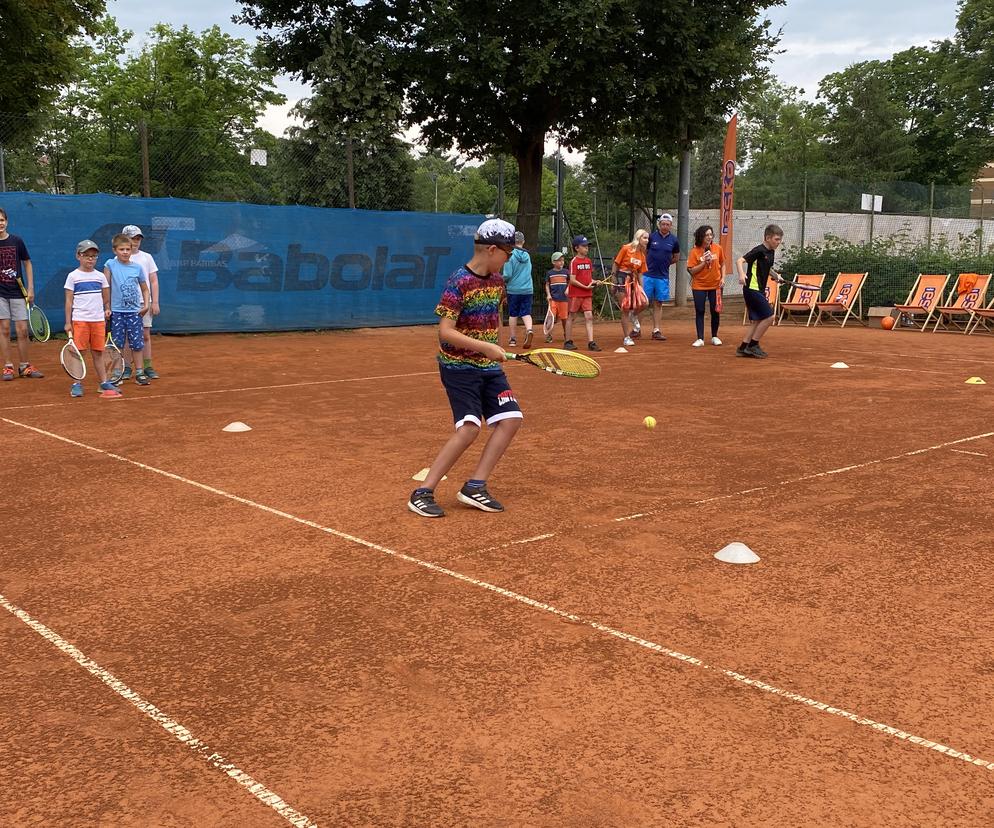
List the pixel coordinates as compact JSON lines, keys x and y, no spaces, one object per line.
{"x":87,"y":295}
{"x":473,"y":303}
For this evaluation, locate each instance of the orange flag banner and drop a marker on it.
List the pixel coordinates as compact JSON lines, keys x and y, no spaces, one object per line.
{"x":727,"y":218}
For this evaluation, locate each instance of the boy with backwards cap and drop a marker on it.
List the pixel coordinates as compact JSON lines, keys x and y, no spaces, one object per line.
{"x":469,"y":360}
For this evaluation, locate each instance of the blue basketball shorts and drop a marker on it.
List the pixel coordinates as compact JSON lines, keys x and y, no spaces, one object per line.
{"x":476,"y":396}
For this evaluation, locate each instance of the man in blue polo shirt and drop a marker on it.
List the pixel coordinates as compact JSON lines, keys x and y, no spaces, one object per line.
{"x":664,"y":250}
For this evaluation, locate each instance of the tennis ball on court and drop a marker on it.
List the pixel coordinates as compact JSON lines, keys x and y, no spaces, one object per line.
{"x":649,"y":423}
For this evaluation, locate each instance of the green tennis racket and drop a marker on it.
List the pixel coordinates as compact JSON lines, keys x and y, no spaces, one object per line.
{"x":557,"y":361}
{"x":37,"y":321}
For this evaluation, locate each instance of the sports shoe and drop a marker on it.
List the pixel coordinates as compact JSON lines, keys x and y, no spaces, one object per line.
{"x":658,"y":336}
{"x":512,"y":343}
{"x":76,"y":389}
{"x":480,"y":498}
{"x":8,"y":372}
{"x":28,"y":371}
{"x":698,"y":343}
{"x":628,"y":341}
{"x":423,"y":503}
{"x":593,"y":346}
{"x":151,"y":373}
{"x":548,"y":337}
{"x":528,"y":340}
{"x":141,"y":378}
{"x":125,"y":376}
{"x":568,"y":345}
{"x":636,"y":334}
{"x":111,"y":393}
{"x":715,"y":340}
{"x":743,"y":350}
{"x":757,"y":352}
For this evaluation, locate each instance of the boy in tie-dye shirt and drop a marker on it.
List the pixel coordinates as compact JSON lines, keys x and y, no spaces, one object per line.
{"x":469,"y":360}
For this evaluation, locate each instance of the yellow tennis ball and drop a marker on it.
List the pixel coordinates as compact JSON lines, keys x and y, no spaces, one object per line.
{"x":649,"y":423}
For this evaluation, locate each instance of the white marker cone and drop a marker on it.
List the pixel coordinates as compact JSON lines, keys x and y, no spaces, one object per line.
{"x":838,"y":365}
{"x":621,"y":350}
{"x":422,"y":475}
{"x":737,"y":553}
{"x":236,"y":426}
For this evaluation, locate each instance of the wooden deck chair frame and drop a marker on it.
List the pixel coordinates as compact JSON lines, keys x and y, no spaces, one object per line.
{"x":950,"y":316}
{"x":983,"y":317}
{"x":924,"y":298}
{"x":772,"y":294}
{"x":836,"y":307}
{"x":801,"y":300}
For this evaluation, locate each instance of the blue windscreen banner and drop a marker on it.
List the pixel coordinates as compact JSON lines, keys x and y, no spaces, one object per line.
{"x":250,"y":267}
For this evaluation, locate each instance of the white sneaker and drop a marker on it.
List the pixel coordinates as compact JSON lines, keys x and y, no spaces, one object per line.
{"x":698,"y":343}
{"x":629,"y":341}
{"x":715,"y":340}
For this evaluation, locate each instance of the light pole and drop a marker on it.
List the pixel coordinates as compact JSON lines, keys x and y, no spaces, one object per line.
{"x":434,"y":177}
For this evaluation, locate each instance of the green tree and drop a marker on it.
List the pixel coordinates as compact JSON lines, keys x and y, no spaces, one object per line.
{"x":578,"y":70}
{"x":199,"y":96}
{"x":36,"y":41}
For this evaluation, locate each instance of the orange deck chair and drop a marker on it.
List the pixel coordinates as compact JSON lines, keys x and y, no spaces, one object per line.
{"x":802,"y":300}
{"x":982,"y":317}
{"x":772,"y":294}
{"x":844,"y":297}
{"x":925,"y":297}
{"x":967,"y":296}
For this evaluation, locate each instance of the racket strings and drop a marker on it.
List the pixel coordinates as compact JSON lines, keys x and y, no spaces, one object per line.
{"x":564,"y":362}
{"x":72,"y":361}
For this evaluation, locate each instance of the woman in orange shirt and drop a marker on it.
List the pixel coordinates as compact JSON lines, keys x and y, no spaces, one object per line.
{"x":628,"y":266}
{"x":706,"y":265}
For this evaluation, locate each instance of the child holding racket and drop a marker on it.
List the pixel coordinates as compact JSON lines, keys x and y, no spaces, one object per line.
{"x":581,"y":292}
{"x":14,"y":304}
{"x":469,"y":360}
{"x":755,"y":269}
{"x":128,"y":300}
{"x":556,"y":282}
{"x":87,"y":311}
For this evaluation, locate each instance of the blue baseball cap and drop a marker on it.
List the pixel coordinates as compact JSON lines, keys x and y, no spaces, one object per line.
{"x":578,"y":240}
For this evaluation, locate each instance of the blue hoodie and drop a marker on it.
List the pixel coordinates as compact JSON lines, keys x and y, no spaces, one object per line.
{"x":518,"y":273}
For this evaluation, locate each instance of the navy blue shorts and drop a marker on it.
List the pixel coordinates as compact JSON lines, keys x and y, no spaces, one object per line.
{"x":757,"y":304}
{"x":476,"y":396}
{"x":126,"y":329}
{"x":519,"y":304}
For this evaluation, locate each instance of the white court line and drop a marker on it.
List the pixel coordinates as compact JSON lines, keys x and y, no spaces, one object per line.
{"x":171,"y":726}
{"x":131,"y":397}
{"x":974,"y":453}
{"x":762,"y":686}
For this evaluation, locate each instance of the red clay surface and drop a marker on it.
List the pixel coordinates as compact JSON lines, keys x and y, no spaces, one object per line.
{"x":364,"y":689}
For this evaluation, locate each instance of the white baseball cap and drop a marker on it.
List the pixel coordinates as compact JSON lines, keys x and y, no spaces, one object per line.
{"x":132,"y":230}
{"x":665,"y":217}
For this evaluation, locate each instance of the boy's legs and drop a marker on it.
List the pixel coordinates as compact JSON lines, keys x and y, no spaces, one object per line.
{"x":453,"y":449}
{"x":588,"y":318}
{"x":147,"y":350}
{"x":5,"y":340}
{"x":21,"y":326}
{"x":500,"y":438}
{"x":512,"y":323}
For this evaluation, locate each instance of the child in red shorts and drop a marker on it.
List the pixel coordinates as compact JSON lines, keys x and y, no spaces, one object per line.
{"x":581,"y":274}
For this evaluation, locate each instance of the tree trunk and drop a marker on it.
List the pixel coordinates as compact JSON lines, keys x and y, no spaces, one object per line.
{"x":529,"y":157}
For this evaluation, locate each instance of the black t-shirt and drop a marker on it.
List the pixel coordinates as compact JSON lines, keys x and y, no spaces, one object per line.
{"x":12,"y":253}
{"x":759,"y":263}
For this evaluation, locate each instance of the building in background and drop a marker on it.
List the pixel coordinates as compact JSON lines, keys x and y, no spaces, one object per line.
{"x":982,"y":196}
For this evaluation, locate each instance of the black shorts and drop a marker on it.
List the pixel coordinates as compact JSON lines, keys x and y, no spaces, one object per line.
{"x":757,"y":304}
{"x":476,"y":395}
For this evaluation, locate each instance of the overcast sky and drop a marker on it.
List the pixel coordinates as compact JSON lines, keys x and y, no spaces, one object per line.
{"x":818,"y":36}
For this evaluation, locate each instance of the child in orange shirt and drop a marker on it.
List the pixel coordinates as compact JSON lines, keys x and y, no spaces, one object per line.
{"x":628,"y":267}
{"x":706,"y":266}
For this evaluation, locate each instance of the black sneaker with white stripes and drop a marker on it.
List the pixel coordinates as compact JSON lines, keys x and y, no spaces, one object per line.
{"x":480,"y":498}
{"x":423,"y":503}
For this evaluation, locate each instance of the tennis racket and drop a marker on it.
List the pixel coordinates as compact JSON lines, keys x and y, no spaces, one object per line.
{"x":557,"y":361}
{"x":37,"y":321}
{"x":72,"y":361}
{"x":113,"y":360}
{"x":792,"y":283}
{"x":550,"y":321}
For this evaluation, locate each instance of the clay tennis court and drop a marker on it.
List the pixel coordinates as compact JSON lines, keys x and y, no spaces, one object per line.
{"x":206,"y":628}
